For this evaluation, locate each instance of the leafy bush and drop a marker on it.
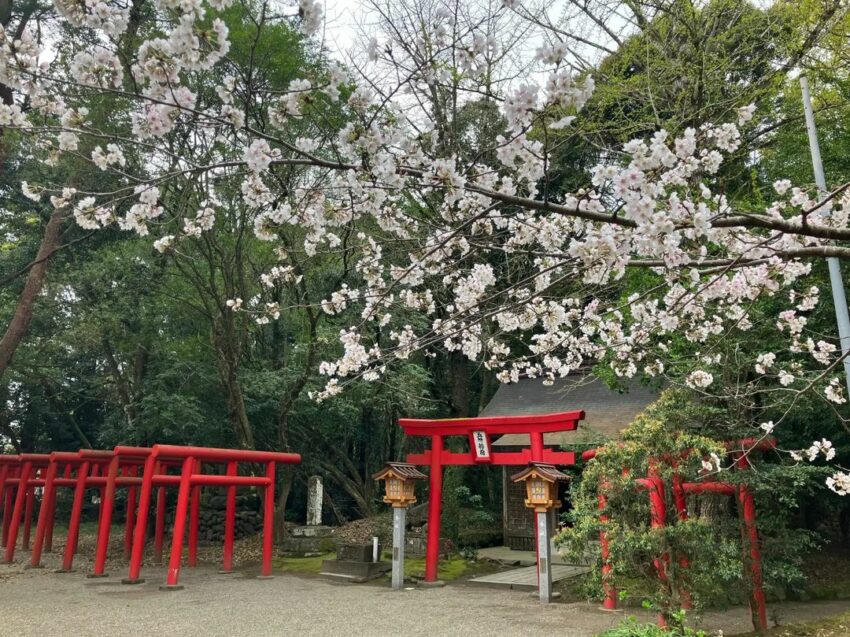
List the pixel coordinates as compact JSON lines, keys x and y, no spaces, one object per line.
{"x":631,"y":628}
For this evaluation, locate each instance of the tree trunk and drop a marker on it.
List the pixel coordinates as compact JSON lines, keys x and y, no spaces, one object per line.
{"x":57,"y":405}
{"x":236,"y":411}
{"x":287,"y":473}
{"x":121,"y":385}
{"x":22,"y":317}
{"x":284,"y":408}
{"x":227,"y":363}
{"x":459,"y":372}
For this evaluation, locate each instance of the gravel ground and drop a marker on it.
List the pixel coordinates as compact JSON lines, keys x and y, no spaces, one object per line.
{"x":40,"y":602}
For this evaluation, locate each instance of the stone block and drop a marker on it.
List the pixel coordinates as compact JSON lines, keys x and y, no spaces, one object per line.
{"x":311,"y":531}
{"x":356,"y":552}
{"x":354,"y":571}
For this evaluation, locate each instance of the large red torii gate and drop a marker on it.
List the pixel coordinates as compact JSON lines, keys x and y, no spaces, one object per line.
{"x":479,"y":432}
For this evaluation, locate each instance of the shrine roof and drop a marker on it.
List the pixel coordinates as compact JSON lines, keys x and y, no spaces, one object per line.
{"x":607,"y":411}
{"x":542,"y":469}
{"x":402,"y":470}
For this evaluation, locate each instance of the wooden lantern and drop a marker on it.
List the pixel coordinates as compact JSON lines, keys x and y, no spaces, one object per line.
{"x":398,"y":480}
{"x":541,"y":482}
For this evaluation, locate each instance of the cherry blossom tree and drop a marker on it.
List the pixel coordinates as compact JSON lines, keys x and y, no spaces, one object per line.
{"x":466,"y":235}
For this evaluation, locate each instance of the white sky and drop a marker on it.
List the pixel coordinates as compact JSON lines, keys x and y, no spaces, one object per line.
{"x":341,"y":19}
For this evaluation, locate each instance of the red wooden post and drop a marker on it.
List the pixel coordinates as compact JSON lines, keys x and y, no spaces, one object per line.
{"x":76,"y":515}
{"x":268,"y":522}
{"x":681,"y":502}
{"x":141,"y":525}
{"x":658,"y":520}
{"x":159,"y":529}
{"x":750,"y":537}
{"x":107,"y":502}
{"x":9,"y":502}
{"x":609,"y":591}
{"x":25,"y":540}
{"x":229,"y":521}
{"x":435,"y":506}
{"x":536,"y":446}
{"x":130,"y":517}
{"x":4,"y":474}
{"x":179,"y":531}
{"x":751,"y":545}
{"x":48,"y":497}
{"x":194,"y":518}
{"x":20,"y":497}
{"x":51,"y":520}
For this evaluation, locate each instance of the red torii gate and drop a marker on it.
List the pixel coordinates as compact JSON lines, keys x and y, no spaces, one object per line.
{"x":479,"y":432}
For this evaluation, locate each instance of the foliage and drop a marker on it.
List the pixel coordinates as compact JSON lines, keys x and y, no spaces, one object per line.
{"x":679,"y":427}
{"x":630,"y":627}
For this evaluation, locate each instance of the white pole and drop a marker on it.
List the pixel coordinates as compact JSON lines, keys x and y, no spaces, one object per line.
{"x":838,"y":298}
{"x":544,"y":558}
{"x":375,"y":555}
{"x":399,"y":516}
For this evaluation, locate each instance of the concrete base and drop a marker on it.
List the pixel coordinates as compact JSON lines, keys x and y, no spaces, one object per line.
{"x":32,"y":566}
{"x":342,"y":577}
{"x":352,"y":571}
{"x":65,"y":570}
{"x":311,"y":531}
{"x":310,"y":541}
{"x":96,"y":575}
{"x":265,"y":576}
{"x":225,"y":572}
{"x":555,"y":595}
{"x":132,"y":582}
{"x":171,"y":587}
{"x":435,"y":584}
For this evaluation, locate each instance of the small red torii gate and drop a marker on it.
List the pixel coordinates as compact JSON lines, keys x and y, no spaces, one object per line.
{"x":479,"y":432}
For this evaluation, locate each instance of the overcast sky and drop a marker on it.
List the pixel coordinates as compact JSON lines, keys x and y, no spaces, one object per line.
{"x":341,"y":19}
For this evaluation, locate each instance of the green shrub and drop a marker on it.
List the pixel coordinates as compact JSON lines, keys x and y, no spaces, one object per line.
{"x":631,"y":628}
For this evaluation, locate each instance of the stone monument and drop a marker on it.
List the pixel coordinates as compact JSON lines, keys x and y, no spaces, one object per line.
{"x":313,"y":538}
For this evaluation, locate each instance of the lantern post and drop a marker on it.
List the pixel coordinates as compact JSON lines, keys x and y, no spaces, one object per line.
{"x":398,"y":480}
{"x":541,"y":482}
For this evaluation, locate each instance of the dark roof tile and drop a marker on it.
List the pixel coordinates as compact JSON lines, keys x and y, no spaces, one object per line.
{"x":607,"y":412}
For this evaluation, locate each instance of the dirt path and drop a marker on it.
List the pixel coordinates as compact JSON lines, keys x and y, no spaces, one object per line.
{"x":40,"y":603}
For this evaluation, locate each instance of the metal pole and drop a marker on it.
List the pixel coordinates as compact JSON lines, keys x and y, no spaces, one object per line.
{"x":544,"y":558}
{"x":838,"y":298}
{"x":399,"y":521}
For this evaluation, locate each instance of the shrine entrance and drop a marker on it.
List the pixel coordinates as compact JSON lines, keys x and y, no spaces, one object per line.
{"x":480,"y":433}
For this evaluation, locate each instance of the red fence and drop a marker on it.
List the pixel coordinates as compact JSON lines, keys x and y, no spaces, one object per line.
{"x":139,"y":470}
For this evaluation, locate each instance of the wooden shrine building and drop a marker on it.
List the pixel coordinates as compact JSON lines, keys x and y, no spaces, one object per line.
{"x":607,"y":412}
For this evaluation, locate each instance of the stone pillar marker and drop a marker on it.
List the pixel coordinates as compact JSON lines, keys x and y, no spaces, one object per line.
{"x":315,"y":493}
{"x":544,"y":557}
{"x":399,"y":523}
